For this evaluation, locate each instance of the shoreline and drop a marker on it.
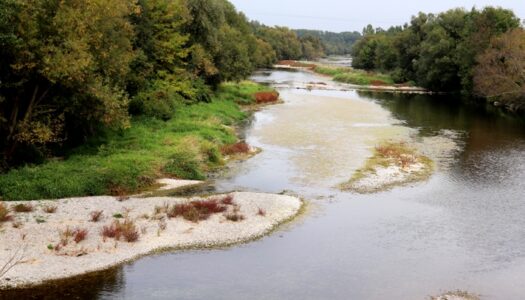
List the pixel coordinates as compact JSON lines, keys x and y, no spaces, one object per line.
{"x":376,"y":88}
{"x":39,"y":263}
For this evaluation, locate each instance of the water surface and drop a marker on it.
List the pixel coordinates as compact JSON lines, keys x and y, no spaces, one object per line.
{"x":463,"y":229}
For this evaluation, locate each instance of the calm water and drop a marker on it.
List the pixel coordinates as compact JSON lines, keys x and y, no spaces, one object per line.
{"x":463,"y":229}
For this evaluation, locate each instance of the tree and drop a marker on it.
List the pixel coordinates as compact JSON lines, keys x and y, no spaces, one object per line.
{"x":64,"y":65}
{"x":500,"y":73}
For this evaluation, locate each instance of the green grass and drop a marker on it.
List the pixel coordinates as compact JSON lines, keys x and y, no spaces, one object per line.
{"x":353,"y":76}
{"x":187,"y":146}
{"x":242,"y":93}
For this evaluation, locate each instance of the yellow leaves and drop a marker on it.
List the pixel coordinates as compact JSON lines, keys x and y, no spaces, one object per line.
{"x":46,"y":130}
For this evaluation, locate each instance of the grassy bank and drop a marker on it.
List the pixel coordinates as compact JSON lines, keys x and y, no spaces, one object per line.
{"x":353,"y":76}
{"x":187,"y":146}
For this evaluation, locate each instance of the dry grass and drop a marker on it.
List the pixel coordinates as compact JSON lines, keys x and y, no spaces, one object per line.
{"x":126,"y":231}
{"x":261,"y":212}
{"x":65,"y":236}
{"x":234,"y":216}
{"x":266,"y":97}
{"x":4,"y":213}
{"x":23,"y":208}
{"x":237,"y":148}
{"x":400,"y":153}
{"x":196,"y":211}
{"x":96,"y":215}
{"x":50,"y":209}
{"x":79,"y":235}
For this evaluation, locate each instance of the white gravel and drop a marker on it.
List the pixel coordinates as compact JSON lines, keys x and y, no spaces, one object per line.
{"x":30,"y":242}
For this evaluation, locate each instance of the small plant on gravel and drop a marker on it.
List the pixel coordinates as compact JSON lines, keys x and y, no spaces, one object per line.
{"x":95,"y":216}
{"x":65,"y":236}
{"x":261,"y":212}
{"x":50,"y":209}
{"x":227,"y":200}
{"x":4,"y":213}
{"x":126,"y":230}
{"x":23,"y":208}
{"x":17,"y":224}
{"x":162,"y":225}
{"x":79,"y":235}
{"x":118,"y":216}
{"x":234,"y":217}
{"x":197,"y":210}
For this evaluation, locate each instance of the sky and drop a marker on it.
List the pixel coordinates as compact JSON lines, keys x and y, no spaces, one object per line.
{"x":337,"y":15}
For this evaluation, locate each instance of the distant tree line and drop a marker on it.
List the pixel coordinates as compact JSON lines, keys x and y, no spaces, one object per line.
{"x":288,"y":44}
{"x":70,"y":69}
{"x":334,"y":43}
{"x":478,"y":52}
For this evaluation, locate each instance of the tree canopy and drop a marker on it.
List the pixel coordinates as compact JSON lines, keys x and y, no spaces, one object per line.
{"x":437,"y":52}
{"x":69,"y":69}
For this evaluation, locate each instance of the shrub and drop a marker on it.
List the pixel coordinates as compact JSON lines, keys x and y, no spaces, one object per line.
{"x":266,"y":97}
{"x":197,"y":210}
{"x":227,"y":200}
{"x":4,"y":213}
{"x":50,"y":209}
{"x":96,"y":215}
{"x":65,"y":235}
{"x":234,"y":217}
{"x":79,"y":235}
{"x":261,"y":212}
{"x":23,"y":208}
{"x":126,"y":230}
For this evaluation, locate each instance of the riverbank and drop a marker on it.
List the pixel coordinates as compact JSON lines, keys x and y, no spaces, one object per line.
{"x":188,"y":146}
{"x":83,"y":235}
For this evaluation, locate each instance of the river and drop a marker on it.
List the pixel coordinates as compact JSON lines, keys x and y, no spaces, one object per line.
{"x":462,"y":229}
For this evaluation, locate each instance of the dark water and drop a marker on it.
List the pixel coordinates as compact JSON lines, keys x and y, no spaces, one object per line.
{"x":463,"y":229}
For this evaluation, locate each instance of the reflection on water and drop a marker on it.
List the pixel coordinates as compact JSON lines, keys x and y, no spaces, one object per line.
{"x":463,"y":229}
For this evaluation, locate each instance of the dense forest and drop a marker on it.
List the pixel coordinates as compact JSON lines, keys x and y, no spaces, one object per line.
{"x":70,"y":69}
{"x":334,"y":43}
{"x":476,"y":52}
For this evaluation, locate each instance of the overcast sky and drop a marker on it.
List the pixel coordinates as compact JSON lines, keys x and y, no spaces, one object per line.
{"x":337,"y":15}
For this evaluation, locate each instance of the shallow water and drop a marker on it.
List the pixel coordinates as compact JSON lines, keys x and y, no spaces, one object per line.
{"x":463,"y":229}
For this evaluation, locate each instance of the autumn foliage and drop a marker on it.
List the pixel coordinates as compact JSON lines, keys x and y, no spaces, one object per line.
{"x":266,"y":97}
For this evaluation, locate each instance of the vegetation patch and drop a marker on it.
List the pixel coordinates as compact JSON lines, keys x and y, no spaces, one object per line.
{"x":296,"y":64}
{"x":358,"y":77}
{"x":187,"y":146}
{"x":392,"y":164}
{"x":117,"y":230}
{"x":456,"y":295}
{"x":196,"y":211}
{"x":237,"y":148}
{"x":23,"y":208}
{"x":243,"y":92}
{"x":4,"y":213}
{"x":266,"y":97}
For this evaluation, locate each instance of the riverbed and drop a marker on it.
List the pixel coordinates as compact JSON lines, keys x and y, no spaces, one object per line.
{"x":461,"y":229}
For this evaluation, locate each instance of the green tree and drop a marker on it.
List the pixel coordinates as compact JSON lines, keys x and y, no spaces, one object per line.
{"x":500,"y":73}
{"x":65,"y":70}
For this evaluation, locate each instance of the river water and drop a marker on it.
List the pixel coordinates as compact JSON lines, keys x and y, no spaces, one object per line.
{"x":462,"y":229}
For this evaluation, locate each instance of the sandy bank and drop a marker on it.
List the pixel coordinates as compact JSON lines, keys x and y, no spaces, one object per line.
{"x":33,"y":244}
{"x":392,"y":164}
